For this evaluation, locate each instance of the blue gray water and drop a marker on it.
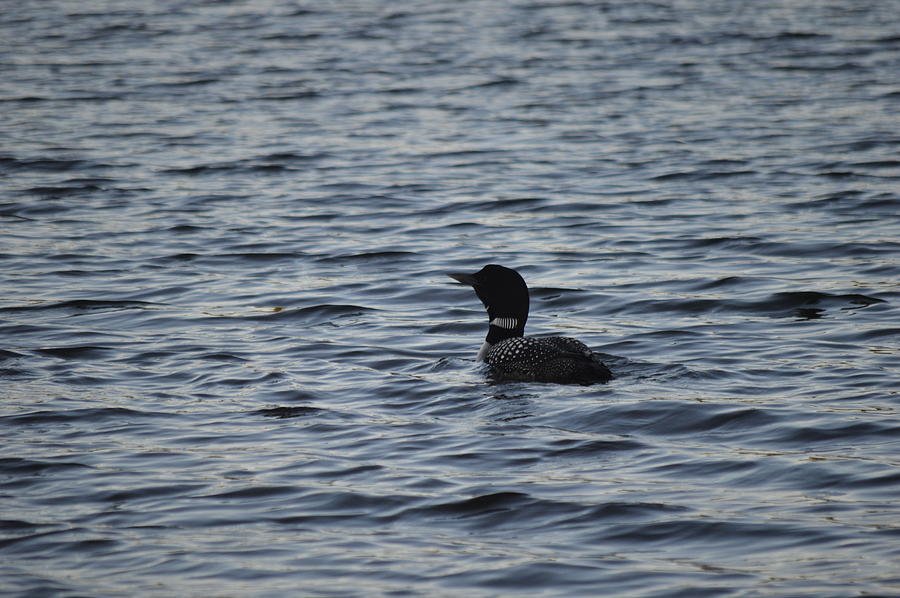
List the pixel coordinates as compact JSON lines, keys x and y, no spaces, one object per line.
{"x":232,"y":364}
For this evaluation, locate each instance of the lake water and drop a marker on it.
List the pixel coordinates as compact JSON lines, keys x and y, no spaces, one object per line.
{"x":232,"y":364}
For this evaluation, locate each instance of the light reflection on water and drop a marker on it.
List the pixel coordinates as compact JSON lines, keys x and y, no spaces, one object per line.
{"x":234,"y":363}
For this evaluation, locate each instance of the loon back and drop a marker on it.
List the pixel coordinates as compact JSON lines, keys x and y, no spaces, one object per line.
{"x":547,"y":359}
{"x":514,"y":356}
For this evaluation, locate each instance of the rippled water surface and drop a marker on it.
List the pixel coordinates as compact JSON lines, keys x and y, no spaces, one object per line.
{"x":232,"y":364}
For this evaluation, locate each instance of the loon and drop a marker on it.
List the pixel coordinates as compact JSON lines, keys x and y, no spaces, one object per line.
{"x":514,"y":356}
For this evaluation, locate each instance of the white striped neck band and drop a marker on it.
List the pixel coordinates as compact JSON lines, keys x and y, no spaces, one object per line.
{"x":508,"y":323}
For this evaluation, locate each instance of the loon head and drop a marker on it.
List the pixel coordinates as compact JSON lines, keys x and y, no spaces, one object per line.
{"x":505,"y":296}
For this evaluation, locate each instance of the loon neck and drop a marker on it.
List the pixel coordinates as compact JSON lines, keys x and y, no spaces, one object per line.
{"x":504,"y":327}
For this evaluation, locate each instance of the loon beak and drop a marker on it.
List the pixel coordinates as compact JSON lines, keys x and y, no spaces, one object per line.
{"x":468,"y":279}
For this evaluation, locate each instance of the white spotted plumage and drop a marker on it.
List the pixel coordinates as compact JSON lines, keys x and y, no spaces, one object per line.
{"x":547,"y":359}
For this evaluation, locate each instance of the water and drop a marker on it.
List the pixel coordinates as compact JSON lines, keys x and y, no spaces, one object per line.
{"x":233,"y":366}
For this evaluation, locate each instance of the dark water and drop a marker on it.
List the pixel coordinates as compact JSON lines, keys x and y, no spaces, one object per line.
{"x":232,"y":364}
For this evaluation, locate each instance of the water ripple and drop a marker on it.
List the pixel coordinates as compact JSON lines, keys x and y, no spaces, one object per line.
{"x":233,"y":363}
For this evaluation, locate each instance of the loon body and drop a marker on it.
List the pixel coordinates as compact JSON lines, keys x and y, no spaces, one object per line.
{"x":515,"y":356}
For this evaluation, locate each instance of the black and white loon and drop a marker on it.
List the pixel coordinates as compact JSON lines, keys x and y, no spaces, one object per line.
{"x":517,"y":357}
